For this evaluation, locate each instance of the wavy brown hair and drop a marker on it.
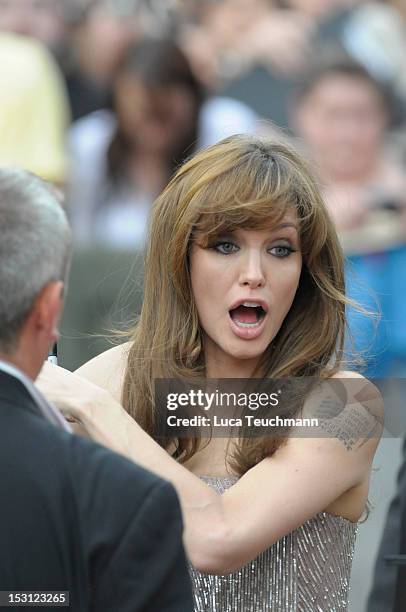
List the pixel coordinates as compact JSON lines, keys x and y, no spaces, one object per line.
{"x":247,"y":182}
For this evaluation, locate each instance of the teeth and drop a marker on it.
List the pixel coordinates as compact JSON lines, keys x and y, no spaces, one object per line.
{"x":240,"y":324}
{"x":251,"y":304}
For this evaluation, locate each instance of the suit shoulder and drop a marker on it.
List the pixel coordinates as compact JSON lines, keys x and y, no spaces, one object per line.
{"x":112,"y":473}
{"x":116,"y":491}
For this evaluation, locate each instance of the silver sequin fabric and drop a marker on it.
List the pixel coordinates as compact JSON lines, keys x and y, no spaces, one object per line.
{"x":308,"y":570}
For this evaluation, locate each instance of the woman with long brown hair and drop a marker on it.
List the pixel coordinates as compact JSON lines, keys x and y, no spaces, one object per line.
{"x":243,"y":280}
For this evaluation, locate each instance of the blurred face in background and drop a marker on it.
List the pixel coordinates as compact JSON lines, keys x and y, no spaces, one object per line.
{"x":234,"y":15}
{"x":342,"y":119}
{"x":154,"y":119}
{"x":40,"y":19}
{"x":102,"y":39}
{"x":229,"y":19}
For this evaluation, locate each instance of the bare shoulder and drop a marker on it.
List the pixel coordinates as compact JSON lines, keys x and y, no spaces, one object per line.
{"x":362,"y":390}
{"x":348,"y":374}
{"x":358,"y":414}
{"x":107,"y":370}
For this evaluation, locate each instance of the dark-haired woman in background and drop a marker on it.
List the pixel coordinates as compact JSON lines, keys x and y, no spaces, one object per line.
{"x":121,"y":161}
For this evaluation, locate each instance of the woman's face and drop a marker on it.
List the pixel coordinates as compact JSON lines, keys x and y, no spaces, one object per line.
{"x":155,"y":120}
{"x":244,"y":285}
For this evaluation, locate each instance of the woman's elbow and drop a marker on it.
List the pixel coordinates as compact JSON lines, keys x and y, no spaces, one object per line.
{"x":216,"y":553}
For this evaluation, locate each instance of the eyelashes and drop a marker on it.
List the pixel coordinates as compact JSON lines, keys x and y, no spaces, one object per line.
{"x":227,"y":247}
{"x":287,"y":250}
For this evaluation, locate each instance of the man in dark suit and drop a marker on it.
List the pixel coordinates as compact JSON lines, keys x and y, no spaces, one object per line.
{"x":74,"y":516}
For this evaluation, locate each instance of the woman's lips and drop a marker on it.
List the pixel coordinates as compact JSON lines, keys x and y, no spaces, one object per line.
{"x":247,"y":331}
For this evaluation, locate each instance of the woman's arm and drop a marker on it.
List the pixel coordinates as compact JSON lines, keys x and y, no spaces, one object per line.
{"x":222,"y":532}
{"x":96,"y":413}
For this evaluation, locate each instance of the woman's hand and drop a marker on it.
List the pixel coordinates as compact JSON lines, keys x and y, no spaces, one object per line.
{"x":92,"y":410}
{"x":72,"y":395}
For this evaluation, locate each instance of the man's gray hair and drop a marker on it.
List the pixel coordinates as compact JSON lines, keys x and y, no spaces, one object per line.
{"x":35,"y":247}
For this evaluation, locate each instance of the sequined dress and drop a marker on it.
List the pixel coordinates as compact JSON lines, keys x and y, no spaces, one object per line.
{"x":308,"y":570}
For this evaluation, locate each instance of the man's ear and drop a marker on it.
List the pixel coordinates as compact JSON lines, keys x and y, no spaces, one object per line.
{"x":47,"y":311}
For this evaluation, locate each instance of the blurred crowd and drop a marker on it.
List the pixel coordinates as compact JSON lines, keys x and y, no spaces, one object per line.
{"x":107,"y":97}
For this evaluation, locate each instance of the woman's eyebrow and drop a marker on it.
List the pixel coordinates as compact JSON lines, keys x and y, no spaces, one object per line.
{"x":285,"y":225}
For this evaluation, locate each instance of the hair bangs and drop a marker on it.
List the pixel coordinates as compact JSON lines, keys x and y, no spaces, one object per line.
{"x":243,"y":197}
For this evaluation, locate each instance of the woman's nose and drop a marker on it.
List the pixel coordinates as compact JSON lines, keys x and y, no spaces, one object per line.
{"x":252,"y":271}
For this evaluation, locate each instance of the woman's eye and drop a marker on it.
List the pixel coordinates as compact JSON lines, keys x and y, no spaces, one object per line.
{"x":225,"y":247}
{"x":281,"y":251}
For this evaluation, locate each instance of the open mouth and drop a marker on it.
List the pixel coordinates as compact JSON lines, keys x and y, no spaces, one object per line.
{"x":247,"y":315}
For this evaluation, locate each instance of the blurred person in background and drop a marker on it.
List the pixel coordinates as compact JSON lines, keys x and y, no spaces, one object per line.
{"x":342,"y":114}
{"x":43,"y":20}
{"x":101,"y":31}
{"x":122,"y":160}
{"x":256,"y":51}
{"x":374,"y":34}
{"x":34,"y":110}
{"x":87,"y":37}
{"x":248,"y":49}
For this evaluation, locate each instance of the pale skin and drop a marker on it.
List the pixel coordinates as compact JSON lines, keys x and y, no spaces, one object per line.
{"x":303,"y":478}
{"x":39,"y":331}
